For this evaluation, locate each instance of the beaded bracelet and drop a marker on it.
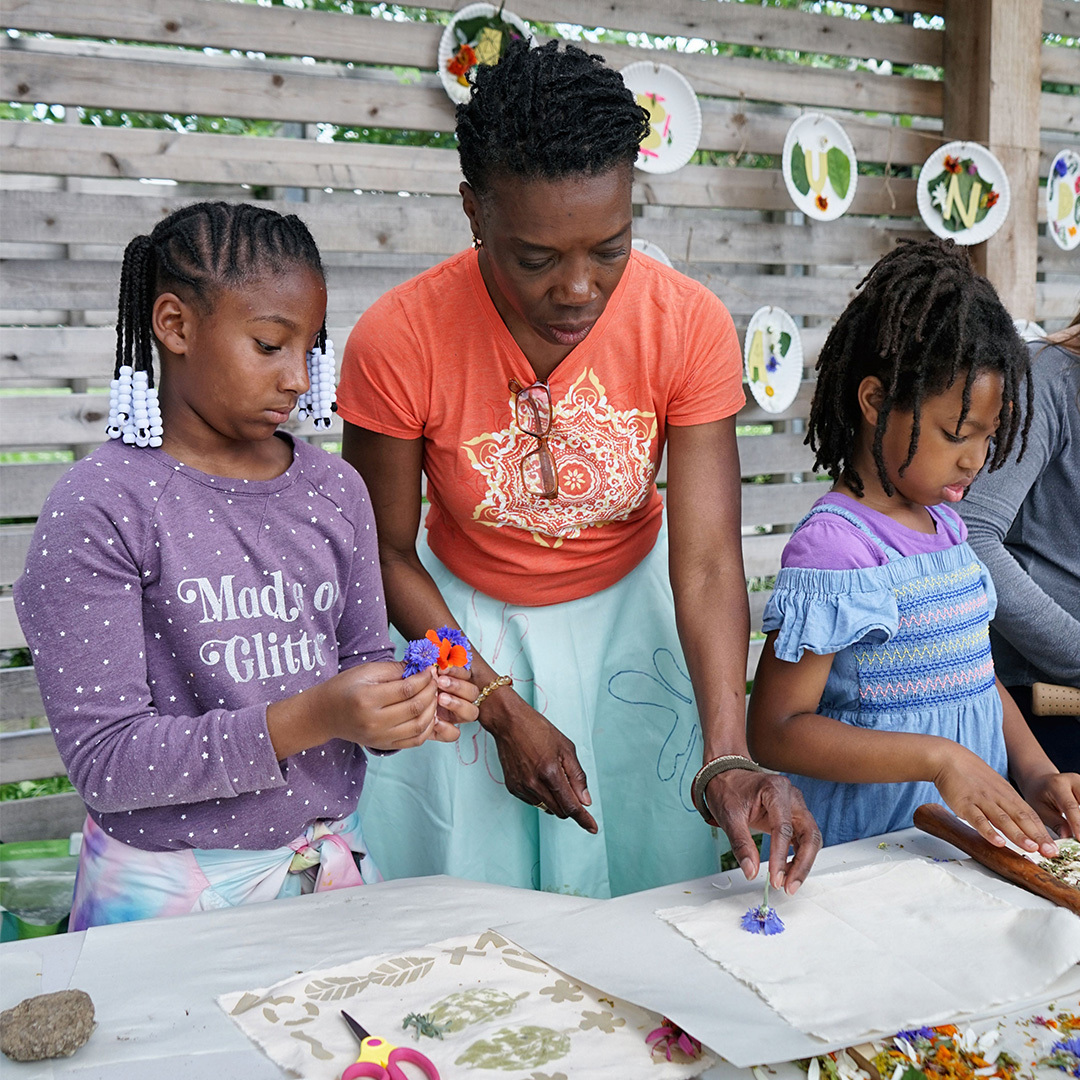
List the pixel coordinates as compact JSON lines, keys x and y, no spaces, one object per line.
{"x":715,"y":768}
{"x":502,"y":680}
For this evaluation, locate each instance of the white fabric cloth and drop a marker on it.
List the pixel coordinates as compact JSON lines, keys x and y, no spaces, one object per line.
{"x":886,"y":947}
{"x":505,"y":1011}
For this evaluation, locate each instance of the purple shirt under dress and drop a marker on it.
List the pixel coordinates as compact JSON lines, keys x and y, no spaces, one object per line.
{"x":166,"y":608}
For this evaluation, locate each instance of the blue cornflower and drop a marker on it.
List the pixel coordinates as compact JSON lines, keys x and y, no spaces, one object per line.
{"x":419,"y":655}
{"x":762,"y":919}
{"x":456,"y":637}
{"x":1060,"y":167}
{"x":1071,"y":1045}
{"x":916,"y":1033}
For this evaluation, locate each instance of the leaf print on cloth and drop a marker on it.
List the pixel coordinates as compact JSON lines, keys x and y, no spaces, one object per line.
{"x":521,"y":1048}
{"x":604,"y":457}
{"x":665,"y":696}
{"x":602,"y":1021}
{"x":458,"y":1011}
{"x":396,"y":972}
{"x":563,"y":991}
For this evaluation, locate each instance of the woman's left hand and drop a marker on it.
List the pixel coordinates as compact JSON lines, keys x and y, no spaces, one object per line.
{"x":456,"y":704}
{"x":1055,"y":797}
{"x":741,"y":801}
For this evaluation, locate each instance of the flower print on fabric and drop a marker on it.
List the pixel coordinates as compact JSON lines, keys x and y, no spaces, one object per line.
{"x":604,"y":457}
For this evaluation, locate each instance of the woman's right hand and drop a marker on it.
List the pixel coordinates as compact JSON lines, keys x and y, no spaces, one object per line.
{"x":988,"y":802}
{"x":539,"y":762}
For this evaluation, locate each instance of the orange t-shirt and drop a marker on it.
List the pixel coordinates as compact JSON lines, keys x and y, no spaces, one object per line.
{"x":432,"y":358}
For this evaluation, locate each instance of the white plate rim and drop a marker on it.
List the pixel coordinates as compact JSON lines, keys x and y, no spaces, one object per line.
{"x":693,"y":118}
{"x":794,"y":361}
{"x":448,"y":45}
{"x":803,"y":202}
{"x":654,"y":251}
{"x":993,"y":221}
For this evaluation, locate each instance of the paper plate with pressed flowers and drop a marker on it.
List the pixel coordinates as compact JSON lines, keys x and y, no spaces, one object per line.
{"x":477,"y":34}
{"x":774,"y":358}
{"x":819,"y":166}
{"x":1063,"y":199}
{"x":654,"y":251}
{"x":963,"y":193}
{"x":674,"y":113}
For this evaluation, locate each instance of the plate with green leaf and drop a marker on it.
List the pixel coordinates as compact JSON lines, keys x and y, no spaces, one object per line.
{"x":477,"y":34}
{"x":820,"y":167}
{"x":773,"y":356}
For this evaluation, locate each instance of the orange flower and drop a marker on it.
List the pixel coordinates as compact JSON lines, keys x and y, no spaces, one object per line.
{"x":450,"y":655}
{"x":462,"y":61}
{"x":989,"y":199}
{"x":952,"y":164}
{"x":822,"y":202}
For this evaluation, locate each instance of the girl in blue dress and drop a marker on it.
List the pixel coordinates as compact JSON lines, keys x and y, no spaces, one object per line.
{"x":876,"y":687}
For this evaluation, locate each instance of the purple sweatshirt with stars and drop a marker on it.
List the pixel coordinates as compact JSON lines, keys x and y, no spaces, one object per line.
{"x":166,"y":608}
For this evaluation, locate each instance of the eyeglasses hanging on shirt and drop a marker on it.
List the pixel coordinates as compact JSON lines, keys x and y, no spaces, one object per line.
{"x":532,"y":411}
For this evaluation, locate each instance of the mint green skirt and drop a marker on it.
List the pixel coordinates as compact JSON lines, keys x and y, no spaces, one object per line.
{"x":608,"y":671}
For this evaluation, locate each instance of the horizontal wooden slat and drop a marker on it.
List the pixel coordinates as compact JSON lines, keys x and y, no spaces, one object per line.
{"x":388,"y":223}
{"x":761,"y":554}
{"x":91,"y":285}
{"x":363,"y":40}
{"x":1061,"y":17}
{"x":1060,"y":64}
{"x":14,"y":542}
{"x":48,"y":817}
{"x":774,"y":454}
{"x":28,"y":755}
{"x":157,"y":80}
{"x":11,"y":635}
{"x":20,"y":698}
{"x":1060,"y":112}
{"x":25,"y":486}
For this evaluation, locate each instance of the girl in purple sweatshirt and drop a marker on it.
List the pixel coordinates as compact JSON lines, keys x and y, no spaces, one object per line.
{"x":203,"y":598}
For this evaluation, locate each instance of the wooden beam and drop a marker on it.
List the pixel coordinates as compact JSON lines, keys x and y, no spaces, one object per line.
{"x":993,"y":68}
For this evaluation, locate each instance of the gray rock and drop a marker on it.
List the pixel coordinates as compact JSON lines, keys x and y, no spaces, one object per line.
{"x":47,"y":1026}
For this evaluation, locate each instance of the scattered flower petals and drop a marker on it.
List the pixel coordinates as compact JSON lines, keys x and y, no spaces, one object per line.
{"x":669,"y":1036}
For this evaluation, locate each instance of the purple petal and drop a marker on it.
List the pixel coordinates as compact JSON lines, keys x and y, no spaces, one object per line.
{"x":755,"y":921}
{"x":419,"y":655}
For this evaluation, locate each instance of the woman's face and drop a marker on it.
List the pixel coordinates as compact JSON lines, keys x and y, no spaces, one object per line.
{"x":552,"y":252}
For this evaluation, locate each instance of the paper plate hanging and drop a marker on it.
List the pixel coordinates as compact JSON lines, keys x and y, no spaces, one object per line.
{"x":963,"y":193}
{"x":477,"y":34}
{"x":674,"y":111}
{"x":819,"y":165}
{"x":647,"y":247}
{"x":1063,"y":199}
{"x":774,"y":358}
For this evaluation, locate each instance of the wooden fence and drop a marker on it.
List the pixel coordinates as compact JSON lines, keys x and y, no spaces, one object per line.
{"x":74,"y":193}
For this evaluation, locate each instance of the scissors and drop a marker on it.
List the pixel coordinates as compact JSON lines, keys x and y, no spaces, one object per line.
{"x":380,"y":1060}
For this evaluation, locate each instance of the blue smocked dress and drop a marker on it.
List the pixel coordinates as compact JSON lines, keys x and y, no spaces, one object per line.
{"x":912,"y":653}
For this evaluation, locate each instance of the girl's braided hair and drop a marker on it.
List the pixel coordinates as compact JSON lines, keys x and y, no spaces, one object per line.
{"x":546,"y":114}
{"x":922,"y":318}
{"x":195,"y":251}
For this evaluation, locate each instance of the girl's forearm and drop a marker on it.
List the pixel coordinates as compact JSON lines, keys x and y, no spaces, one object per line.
{"x":819,"y":746}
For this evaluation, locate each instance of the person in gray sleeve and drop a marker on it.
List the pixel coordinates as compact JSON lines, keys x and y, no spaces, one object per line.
{"x":1024,"y":523}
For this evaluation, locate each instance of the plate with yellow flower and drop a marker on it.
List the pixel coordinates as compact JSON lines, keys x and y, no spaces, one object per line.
{"x":963,"y":193}
{"x":773,"y":354}
{"x":674,"y":115}
{"x":819,"y":166}
{"x":477,"y":34}
{"x":1063,"y":200}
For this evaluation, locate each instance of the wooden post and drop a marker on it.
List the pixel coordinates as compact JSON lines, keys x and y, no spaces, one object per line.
{"x":992,"y":93}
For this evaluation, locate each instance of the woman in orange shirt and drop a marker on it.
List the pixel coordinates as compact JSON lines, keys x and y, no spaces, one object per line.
{"x":535,"y":380}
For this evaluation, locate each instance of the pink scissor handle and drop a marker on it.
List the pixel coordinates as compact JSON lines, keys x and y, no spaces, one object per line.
{"x":413,"y":1057}
{"x":365,"y":1070}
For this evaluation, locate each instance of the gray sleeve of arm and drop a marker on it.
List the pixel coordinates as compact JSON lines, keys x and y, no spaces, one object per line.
{"x":1037,"y":627}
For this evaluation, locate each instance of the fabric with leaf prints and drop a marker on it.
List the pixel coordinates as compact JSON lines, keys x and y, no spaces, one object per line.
{"x":502,"y":1013}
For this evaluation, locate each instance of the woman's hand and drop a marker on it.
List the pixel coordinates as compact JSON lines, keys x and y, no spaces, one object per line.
{"x":539,"y":762}
{"x":742,"y":801}
{"x":1055,"y":797}
{"x":988,"y":802}
{"x":456,"y":704}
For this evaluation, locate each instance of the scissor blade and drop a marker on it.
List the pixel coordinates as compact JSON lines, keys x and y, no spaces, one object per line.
{"x":358,"y":1029}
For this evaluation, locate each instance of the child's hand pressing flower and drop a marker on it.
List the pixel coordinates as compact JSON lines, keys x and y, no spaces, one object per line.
{"x":445,"y":649}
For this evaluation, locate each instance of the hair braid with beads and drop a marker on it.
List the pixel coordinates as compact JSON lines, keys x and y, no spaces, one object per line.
{"x":547,"y":114}
{"x":922,"y":319}
{"x":194,"y":252}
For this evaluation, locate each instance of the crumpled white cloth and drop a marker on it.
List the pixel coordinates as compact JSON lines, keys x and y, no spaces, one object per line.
{"x":884,"y":948}
{"x":508,"y":1014}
